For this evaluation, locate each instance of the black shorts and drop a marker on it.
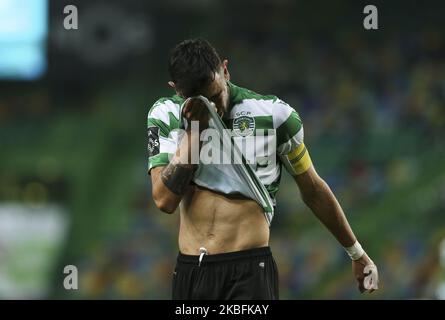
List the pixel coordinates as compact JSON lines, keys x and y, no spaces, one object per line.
{"x":247,"y":274}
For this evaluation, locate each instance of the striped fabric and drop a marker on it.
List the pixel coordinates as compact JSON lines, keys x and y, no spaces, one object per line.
{"x":249,"y":113}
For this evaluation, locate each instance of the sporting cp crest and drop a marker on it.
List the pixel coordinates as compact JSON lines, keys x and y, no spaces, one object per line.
{"x":243,"y":126}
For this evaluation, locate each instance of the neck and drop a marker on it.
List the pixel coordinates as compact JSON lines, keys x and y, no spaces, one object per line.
{"x":228,"y":102}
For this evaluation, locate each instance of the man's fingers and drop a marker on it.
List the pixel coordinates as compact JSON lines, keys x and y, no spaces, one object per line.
{"x":366,"y":274}
{"x":361,"y":286}
{"x":185,"y":111}
{"x":363,"y":290}
{"x":187,"y":107}
{"x":194,"y":109}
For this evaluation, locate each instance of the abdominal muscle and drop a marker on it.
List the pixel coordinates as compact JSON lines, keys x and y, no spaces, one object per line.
{"x":220,"y":223}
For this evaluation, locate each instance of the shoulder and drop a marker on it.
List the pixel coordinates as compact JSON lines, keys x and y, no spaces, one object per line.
{"x":166,"y":105}
{"x":265,"y":104}
{"x":164,"y":114}
{"x":239,"y":95}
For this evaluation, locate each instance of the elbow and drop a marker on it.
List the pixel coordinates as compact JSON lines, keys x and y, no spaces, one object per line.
{"x":165,"y":204}
{"x":166,"y":207}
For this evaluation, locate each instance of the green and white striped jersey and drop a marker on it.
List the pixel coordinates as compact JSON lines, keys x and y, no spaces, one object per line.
{"x":267,"y":128}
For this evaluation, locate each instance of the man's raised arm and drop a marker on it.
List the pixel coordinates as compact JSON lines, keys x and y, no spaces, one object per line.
{"x":170,"y":182}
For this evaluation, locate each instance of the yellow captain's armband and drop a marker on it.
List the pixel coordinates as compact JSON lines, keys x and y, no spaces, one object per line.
{"x":299,"y":159}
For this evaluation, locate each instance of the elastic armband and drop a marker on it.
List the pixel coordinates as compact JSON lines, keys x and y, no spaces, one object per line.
{"x":299,"y":160}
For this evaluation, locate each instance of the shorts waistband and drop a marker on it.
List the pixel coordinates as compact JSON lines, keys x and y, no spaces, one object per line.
{"x":229,"y":256}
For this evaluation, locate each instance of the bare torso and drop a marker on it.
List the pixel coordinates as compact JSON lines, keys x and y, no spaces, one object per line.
{"x":220,"y":223}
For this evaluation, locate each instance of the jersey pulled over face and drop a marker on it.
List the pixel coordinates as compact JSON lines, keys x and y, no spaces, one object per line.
{"x":267,"y":131}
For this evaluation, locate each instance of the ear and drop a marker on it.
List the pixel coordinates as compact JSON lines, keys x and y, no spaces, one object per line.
{"x":172,"y":85}
{"x":225,"y":64}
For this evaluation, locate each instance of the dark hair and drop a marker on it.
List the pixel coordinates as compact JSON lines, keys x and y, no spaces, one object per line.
{"x":193,"y":64}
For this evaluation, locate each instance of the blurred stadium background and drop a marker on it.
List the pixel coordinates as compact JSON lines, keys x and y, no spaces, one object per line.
{"x":73,"y":106}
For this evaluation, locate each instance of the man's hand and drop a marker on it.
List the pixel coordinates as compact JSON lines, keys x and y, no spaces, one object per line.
{"x":196,"y":110}
{"x":366,"y":274}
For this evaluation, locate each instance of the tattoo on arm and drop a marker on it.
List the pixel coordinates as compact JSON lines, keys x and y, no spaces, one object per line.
{"x":177,"y":177}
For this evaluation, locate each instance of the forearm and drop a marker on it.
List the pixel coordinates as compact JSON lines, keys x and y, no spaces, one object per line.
{"x":171,"y":182}
{"x":326,"y":208}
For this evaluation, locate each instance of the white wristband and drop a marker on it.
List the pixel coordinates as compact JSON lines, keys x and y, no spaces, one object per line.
{"x":355,"y":251}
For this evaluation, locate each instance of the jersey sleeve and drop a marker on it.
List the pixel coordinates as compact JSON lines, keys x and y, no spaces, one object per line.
{"x":162,"y":125}
{"x":290,"y":140}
